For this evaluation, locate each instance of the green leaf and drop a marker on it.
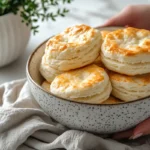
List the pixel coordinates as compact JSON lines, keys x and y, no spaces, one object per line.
{"x":33,"y":10}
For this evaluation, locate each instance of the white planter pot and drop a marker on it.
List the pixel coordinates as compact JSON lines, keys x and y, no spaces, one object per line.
{"x":14,"y":36}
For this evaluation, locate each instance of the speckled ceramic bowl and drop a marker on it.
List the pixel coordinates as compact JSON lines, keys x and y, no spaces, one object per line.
{"x":93,"y":118}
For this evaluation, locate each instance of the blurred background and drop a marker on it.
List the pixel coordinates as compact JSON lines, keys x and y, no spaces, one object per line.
{"x":91,"y":12}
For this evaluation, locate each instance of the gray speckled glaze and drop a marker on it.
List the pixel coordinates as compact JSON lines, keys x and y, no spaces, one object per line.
{"x":93,"y":118}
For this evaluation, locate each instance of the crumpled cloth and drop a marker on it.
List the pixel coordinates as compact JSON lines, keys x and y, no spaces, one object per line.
{"x":24,"y":126}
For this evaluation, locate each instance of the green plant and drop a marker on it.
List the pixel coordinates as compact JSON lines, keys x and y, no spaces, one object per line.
{"x":33,"y":10}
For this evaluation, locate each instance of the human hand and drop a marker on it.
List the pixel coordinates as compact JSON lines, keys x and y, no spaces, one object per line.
{"x":140,"y":130}
{"x":134,"y":16}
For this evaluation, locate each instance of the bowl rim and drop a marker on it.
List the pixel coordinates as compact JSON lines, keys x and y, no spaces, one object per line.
{"x":67,"y":100}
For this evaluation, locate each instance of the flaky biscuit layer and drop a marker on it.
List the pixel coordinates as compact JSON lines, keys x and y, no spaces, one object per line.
{"x":47,"y":71}
{"x":129,"y":88}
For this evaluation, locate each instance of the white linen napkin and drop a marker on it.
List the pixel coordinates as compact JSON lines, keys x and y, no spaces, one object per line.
{"x":24,"y":126}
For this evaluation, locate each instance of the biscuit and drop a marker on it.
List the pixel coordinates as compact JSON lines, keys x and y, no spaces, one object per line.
{"x":129,"y":88}
{"x":46,"y":86}
{"x":112,"y":100}
{"x":127,"y":51}
{"x":48,"y":72}
{"x":76,"y":47}
{"x":89,"y":84}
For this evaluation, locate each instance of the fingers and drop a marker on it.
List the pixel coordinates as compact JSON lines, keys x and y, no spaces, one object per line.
{"x":123,"y":135}
{"x":142,"y":129}
{"x":134,"y":16}
{"x":124,"y":18}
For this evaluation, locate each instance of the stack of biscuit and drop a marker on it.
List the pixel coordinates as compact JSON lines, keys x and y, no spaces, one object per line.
{"x":85,"y":65}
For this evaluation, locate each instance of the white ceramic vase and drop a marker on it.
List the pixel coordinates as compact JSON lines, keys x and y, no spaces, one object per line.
{"x":14,"y":36}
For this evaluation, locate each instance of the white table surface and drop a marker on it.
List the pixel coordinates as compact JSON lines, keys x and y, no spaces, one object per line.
{"x":91,"y":12}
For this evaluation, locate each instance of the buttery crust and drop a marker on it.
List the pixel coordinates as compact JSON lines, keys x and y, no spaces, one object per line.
{"x":104,"y":33}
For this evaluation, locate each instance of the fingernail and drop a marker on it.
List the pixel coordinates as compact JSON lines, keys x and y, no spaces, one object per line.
{"x":136,"y":136}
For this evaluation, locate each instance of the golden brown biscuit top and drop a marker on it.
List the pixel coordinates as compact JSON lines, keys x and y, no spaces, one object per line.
{"x":104,"y":33}
{"x":72,"y":37}
{"x":139,"y":79}
{"x":78,"y":29}
{"x":128,"y":41}
{"x":112,"y":100}
{"x":80,"y":78}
